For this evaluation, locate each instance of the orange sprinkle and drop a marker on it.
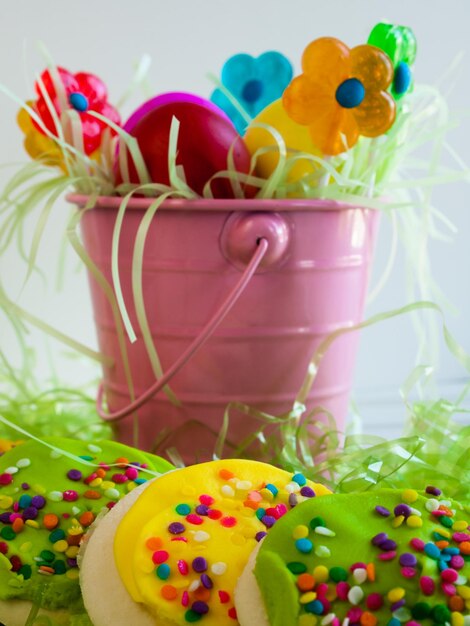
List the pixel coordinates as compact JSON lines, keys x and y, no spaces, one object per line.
{"x":46,"y":569}
{"x":456,"y":603}
{"x":465,"y":547}
{"x":100,"y":473}
{"x":154,"y":543}
{"x":368,"y":619}
{"x":18,"y":525}
{"x":370,"y":569}
{"x":169,"y":592}
{"x":50,"y":521}
{"x":91,"y":494}
{"x":86,"y":518}
{"x":226,"y":474}
{"x":202,"y":594}
{"x":305,"y":582}
{"x":250,"y":504}
{"x":446,"y":510}
{"x":442,"y":544}
{"x":74,"y":540}
{"x":122,"y":461}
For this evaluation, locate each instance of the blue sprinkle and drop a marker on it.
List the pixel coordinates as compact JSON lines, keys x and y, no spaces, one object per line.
{"x":163,"y":571}
{"x":442,"y":565}
{"x":394,"y":622}
{"x":272,"y":488}
{"x":140,"y":481}
{"x":432,"y":551}
{"x":260,"y":513}
{"x":24,"y":501}
{"x":316,"y":607}
{"x":86,"y":457}
{"x":183,"y":509}
{"x":299,"y":479}
{"x":304,"y":545}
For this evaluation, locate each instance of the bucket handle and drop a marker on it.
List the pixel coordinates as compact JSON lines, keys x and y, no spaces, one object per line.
{"x":255,"y":261}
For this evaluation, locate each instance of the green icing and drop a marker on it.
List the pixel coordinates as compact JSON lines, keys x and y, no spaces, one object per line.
{"x":353,"y":519}
{"x":45,"y":472}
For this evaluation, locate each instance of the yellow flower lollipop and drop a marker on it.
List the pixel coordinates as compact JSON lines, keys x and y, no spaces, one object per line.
{"x":342,"y":94}
{"x":38,"y":145}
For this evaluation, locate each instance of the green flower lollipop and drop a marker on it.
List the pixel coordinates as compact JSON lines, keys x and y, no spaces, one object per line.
{"x":399,"y":43}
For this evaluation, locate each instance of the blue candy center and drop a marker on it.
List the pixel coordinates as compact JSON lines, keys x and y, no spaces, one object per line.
{"x":350,"y":93}
{"x":402,"y":78}
{"x":78,"y":101}
{"x":252,"y":90}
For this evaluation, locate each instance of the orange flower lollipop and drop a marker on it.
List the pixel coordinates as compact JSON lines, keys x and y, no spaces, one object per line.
{"x":341,"y":94}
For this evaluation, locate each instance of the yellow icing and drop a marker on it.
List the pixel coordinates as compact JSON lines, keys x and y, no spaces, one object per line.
{"x":155,"y":510}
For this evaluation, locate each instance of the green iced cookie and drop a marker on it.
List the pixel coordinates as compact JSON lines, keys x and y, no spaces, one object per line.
{"x":47,"y":502}
{"x":380,"y":557}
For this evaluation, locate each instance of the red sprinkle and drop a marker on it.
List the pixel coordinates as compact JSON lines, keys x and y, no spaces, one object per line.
{"x":132,"y":473}
{"x":387,"y":556}
{"x":6,"y":479}
{"x":192,"y":518}
{"x":457,"y":561}
{"x":185,"y":598}
{"x":3,"y":547}
{"x":205,"y":499}
{"x":342,"y":590}
{"x":214,"y":514}
{"x":357,"y":566}
{"x":232,"y":613}
{"x":281,"y":509}
{"x":119,"y":478}
{"x":449,"y":589}
{"x":183,"y":567}
{"x":228,"y":522}
{"x":374,"y":601}
{"x":160,"y":556}
{"x":354,"y":614}
{"x":449,"y":575}
{"x":224,"y":597}
{"x":321,"y":590}
{"x":427,"y":585}
{"x":15,"y":563}
{"x":417,"y":544}
{"x":70,"y":495}
{"x":408,"y":572}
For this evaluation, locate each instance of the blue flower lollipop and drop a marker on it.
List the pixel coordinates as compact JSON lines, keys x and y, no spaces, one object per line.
{"x":255,"y":83}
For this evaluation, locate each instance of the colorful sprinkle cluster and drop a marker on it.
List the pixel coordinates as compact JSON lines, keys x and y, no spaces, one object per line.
{"x":42,"y":521}
{"x":429,"y":572}
{"x":238,"y":516}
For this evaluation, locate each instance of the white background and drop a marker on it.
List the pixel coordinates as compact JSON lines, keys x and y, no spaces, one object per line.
{"x":187,"y":39}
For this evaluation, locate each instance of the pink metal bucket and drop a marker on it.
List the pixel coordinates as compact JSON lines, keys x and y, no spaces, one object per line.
{"x":238,"y":295}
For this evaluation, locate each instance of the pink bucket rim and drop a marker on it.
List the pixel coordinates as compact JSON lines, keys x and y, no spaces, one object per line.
{"x":216,"y":205}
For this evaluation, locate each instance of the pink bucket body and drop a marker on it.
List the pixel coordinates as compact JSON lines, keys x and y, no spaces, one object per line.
{"x":259,"y":355}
